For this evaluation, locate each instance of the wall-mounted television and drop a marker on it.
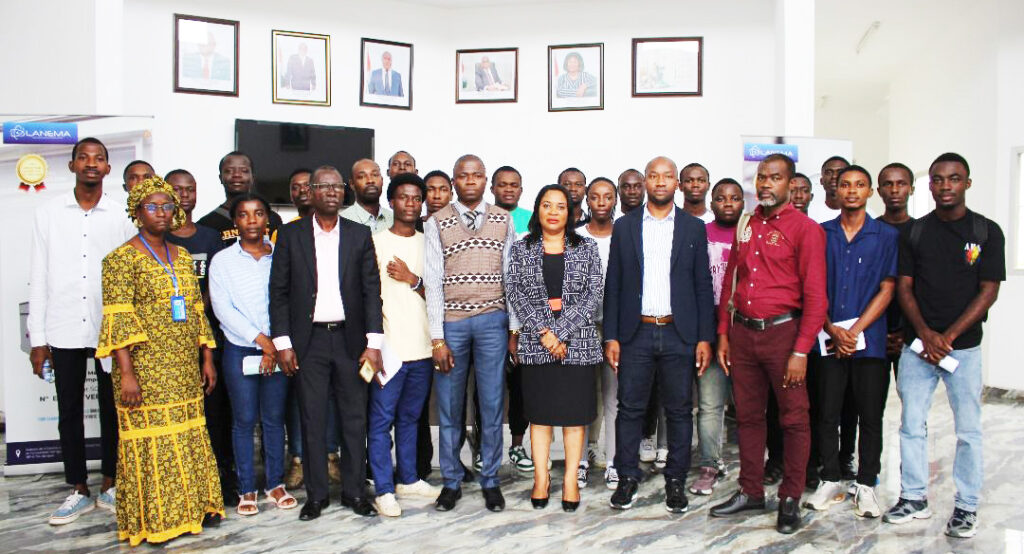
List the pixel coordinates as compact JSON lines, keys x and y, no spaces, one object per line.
{"x":278,"y":148}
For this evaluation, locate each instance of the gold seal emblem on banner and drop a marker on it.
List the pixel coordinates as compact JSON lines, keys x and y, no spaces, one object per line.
{"x":31,"y":170}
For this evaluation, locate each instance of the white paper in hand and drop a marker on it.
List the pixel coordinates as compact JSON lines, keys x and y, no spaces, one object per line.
{"x":392,"y":363}
{"x":948,"y":363}
{"x":825,"y":340}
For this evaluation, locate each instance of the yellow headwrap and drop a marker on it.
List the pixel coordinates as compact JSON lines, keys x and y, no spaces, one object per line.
{"x":148,"y":188}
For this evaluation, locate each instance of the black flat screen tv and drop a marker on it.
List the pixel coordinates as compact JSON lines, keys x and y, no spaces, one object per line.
{"x":278,"y":148}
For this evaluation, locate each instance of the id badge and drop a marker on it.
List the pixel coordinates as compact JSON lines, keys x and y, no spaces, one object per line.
{"x":178,"y":308}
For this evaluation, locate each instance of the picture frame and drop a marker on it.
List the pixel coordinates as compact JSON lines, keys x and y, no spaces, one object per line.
{"x":300,"y":68}
{"x":205,"y":55}
{"x":486,"y":75}
{"x":585,"y":91}
{"x":376,"y":87}
{"x":668,"y":66}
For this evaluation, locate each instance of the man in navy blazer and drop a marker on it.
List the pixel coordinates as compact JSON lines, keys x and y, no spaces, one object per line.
{"x":326,"y":320}
{"x":385,"y":80}
{"x":658,"y":324}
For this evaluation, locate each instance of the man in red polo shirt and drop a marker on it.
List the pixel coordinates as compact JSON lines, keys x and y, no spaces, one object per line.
{"x":766,"y":326}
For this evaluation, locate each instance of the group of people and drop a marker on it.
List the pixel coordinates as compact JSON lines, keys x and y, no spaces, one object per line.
{"x":334,"y":331}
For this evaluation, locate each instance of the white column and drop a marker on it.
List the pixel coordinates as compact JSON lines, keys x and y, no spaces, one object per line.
{"x":794,"y":33}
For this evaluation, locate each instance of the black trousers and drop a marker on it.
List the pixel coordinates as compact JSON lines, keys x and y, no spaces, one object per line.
{"x":868,"y":381}
{"x":217,"y":407}
{"x":848,"y":427}
{"x":424,"y":442}
{"x":329,"y":364}
{"x":70,"y":368}
{"x":517,"y":423}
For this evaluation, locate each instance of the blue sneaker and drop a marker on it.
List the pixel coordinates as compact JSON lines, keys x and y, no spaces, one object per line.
{"x":108,"y":500}
{"x":74,"y":505}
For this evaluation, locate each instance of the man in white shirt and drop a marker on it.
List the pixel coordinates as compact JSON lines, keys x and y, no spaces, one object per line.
{"x":694,"y":183}
{"x":71,"y":235}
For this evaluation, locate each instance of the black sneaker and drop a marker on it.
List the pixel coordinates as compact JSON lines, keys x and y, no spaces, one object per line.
{"x":906,"y":510}
{"x":675,"y":496}
{"x":625,"y":494}
{"x":772,"y":475}
{"x":962,"y":524}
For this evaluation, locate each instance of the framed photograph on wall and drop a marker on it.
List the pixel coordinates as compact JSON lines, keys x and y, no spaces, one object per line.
{"x":386,"y":78}
{"x":487,"y":75}
{"x":576,"y":77}
{"x":668,"y":66}
{"x":301,"y":68}
{"x":205,"y":55}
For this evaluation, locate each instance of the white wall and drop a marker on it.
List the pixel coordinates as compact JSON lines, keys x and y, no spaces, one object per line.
{"x":194,"y":131}
{"x":966,"y":98}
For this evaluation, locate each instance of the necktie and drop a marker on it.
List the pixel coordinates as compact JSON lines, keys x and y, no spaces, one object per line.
{"x":387,"y":81}
{"x":470,"y":219}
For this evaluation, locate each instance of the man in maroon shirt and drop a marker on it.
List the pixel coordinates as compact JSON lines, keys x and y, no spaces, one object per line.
{"x":766,"y":326}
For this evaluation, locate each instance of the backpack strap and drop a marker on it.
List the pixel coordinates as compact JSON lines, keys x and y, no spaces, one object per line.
{"x":979,"y":228}
{"x":741,"y":226}
{"x":916,"y":230}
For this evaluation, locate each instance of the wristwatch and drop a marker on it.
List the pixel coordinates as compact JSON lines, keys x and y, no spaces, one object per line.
{"x":419,"y":283}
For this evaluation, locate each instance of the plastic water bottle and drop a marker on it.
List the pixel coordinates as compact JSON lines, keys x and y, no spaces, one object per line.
{"x":47,"y":372}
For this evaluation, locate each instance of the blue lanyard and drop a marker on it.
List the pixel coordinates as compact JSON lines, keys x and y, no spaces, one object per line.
{"x":169,"y":267}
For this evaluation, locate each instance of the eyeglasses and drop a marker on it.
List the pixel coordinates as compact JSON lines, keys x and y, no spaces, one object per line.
{"x":327,"y":186}
{"x":153,"y":208}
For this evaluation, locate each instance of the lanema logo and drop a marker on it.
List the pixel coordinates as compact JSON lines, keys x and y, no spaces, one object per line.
{"x":19,"y":132}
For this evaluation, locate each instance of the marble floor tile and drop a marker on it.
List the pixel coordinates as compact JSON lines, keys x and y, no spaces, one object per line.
{"x":26,"y":501}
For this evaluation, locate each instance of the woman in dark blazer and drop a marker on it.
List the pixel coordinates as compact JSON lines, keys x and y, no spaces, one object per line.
{"x":554,"y":283}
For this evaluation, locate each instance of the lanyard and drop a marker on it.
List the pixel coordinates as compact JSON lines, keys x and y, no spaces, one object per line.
{"x":169,"y":267}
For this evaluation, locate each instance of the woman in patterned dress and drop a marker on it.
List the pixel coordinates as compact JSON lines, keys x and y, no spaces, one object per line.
{"x":154,"y":326}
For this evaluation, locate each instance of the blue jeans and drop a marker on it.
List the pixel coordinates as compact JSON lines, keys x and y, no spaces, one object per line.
{"x":295,"y":422}
{"x":255,"y":396}
{"x":655,"y":352}
{"x":916,"y":384}
{"x":486,"y":337}
{"x":713,"y":391}
{"x":399,"y":402}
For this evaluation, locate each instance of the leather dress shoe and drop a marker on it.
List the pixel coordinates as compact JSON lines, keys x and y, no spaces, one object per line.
{"x":789,"y":516}
{"x":312,"y":508}
{"x":493,"y":499}
{"x":361,"y":505}
{"x":737,"y":503}
{"x":447,"y":499}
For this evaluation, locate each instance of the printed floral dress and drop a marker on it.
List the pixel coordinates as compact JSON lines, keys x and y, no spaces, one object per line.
{"x":167,"y":477}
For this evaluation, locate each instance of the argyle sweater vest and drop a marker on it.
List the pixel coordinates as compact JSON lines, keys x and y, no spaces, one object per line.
{"x":473,"y":283}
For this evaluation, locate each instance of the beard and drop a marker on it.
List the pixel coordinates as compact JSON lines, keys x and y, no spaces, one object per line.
{"x":769,"y":202}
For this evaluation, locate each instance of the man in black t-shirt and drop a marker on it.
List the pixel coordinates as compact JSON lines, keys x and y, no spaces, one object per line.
{"x":237,"y":175}
{"x":951,"y":265}
{"x":895,"y":186}
{"x":202,"y":243}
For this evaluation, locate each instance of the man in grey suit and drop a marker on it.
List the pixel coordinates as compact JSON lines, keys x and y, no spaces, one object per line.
{"x":386,"y":81}
{"x":487,"y":76}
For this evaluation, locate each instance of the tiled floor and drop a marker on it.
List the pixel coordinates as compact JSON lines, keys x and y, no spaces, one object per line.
{"x":26,"y":501}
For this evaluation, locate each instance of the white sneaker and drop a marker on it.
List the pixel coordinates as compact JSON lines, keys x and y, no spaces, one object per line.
{"x":74,"y":505}
{"x":387,"y":505}
{"x":661,"y":459}
{"x":865,"y":503}
{"x":647,"y":450}
{"x":419,"y":488}
{"x":611,"y":477}
{"x":583,"y":475}
{"x":827,"y":494}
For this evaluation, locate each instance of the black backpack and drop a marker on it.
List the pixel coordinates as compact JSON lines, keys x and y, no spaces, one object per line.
{"x":979,"y":229}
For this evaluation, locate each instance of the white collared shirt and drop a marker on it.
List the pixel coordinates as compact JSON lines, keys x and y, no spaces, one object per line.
{"x":65,"y":283}
{"x":657,"y":244}
{"x":329,"y":306}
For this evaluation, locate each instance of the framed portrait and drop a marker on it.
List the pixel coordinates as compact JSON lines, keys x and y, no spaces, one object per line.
{"x":386,"y":78}
{"x":668,"y":66}
{"x":301,"y":65}
{"x":487,"y":75}
{"x":205,"y":55}
{"x":576,"y":77}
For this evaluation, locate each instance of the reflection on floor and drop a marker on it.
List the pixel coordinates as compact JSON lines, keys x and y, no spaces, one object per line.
{"x":25,"y":503}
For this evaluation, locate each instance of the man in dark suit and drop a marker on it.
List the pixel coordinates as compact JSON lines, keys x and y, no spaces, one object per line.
{"x":487,"y":76}
{"x":325,"y":317}
{"x":658,"y":324}
{"x":385,"y":80}
{"x":301,"y":74}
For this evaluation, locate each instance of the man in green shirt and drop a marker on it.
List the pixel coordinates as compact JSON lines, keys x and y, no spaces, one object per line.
{"x":507,"y":188}
{"x":368,"y":184}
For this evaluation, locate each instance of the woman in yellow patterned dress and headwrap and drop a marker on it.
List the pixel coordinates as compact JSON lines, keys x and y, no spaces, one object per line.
{"x":153,"y":324}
